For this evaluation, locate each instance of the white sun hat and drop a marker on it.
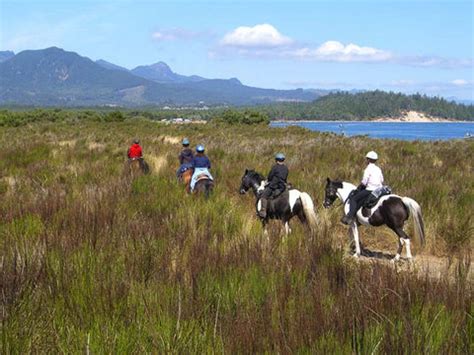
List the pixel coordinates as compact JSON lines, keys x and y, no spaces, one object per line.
{"x":372,"y":155}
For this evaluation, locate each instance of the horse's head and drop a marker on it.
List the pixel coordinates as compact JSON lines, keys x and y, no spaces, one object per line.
{"x":251,"y":179}
{"x":331,"y":192}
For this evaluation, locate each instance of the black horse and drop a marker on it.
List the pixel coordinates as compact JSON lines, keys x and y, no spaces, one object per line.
{"x":391,"y":210}
{"x":284,"y":207}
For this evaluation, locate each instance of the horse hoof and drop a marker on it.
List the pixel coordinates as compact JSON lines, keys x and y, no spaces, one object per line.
{"x":355,"y":255}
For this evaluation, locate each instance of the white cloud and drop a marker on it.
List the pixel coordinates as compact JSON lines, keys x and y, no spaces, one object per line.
{"x":258,"y":36}
{"x":265,"y":41}
{"x":337,"y":52}
{"x":459,"y":82}
{"x":403,"y":82}
{"x":173,"y":34}
{"x":435,"y":61}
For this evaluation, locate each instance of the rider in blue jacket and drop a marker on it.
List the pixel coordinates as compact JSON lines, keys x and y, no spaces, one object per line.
{"x":201,"y":165}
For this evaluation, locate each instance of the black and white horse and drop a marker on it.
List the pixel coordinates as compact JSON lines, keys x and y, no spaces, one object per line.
{"x":284,"y":207}
{"x":391,"y":210}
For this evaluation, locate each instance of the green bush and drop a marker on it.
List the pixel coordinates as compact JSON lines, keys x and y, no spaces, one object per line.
{"x":247,"y":117}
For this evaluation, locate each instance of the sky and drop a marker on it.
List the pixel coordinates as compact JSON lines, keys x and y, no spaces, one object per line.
{"x":405,"y":45}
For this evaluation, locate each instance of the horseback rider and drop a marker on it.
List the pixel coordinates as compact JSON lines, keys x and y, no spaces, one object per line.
{"x":372,"y":180}
{"x":135,"y":151}
{"x":276,"y":183}
{"x":201,"y":165}
{"x":185,"y":158}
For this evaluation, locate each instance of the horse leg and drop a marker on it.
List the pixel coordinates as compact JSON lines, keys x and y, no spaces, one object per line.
{"x":355,"y":234}
{"x":287,"y":227}
{"x":403,"y":238}
{"x":264,"y":226}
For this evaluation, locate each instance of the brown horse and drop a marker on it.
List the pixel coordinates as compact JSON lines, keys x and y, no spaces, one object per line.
{"x":136,"y":167}
{"x":186,"y":179}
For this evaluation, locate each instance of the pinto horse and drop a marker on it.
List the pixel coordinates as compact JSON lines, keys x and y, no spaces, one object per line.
{"x":203,"y":183}
{"x":391,"y":210}
{"x":285,"y":206}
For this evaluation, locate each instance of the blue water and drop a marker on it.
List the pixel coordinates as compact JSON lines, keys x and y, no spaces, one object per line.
{"x":393,"y":130}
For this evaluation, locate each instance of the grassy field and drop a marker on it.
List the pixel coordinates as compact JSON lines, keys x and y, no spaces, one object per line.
{"x":92,"y":261}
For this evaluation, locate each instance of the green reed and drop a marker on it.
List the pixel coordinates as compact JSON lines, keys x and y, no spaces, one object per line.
{"x":93,"y":261}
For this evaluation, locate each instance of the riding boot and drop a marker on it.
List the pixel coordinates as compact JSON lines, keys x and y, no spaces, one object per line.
{"x":346,"y":219}
{"x":263,"y":208}
{"x":349,"y":217}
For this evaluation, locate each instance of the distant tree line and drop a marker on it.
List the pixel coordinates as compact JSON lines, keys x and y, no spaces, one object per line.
{"x":15,"y":118}
{"x":335,"y":106}
{"x":369,"y":105}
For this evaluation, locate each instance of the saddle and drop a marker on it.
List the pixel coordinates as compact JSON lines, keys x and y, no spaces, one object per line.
{"x":375,"y":196}
{"x":202,"y":177}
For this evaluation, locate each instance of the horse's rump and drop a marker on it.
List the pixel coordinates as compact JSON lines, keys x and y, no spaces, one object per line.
{"x":137,"y":165}
{"x":202,"y":177}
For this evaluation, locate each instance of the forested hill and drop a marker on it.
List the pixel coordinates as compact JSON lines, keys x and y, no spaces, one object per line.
{"x":370,"y":105}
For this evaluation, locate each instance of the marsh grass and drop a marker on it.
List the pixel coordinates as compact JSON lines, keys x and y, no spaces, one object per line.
{"x":92,"y":261}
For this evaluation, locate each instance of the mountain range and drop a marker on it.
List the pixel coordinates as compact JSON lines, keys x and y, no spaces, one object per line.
{"x":55,"y":77}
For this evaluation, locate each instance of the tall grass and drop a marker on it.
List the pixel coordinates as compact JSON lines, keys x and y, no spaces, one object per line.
{"x":93,"y":261}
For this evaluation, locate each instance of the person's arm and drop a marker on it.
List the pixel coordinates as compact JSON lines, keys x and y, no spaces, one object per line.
{"x":128,"y":153}
{"x":180,"y":158}
{"x":208,"y":163}
{"x":365,"y":178}
{"x":271,"y":174}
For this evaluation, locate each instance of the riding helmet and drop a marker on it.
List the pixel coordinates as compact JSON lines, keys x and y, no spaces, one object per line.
{"x":200,"y":148}
{"x":372,"y":155}
{"x":185,"y":141}
{"x":280,"y":157}
{"x":136,"y":141}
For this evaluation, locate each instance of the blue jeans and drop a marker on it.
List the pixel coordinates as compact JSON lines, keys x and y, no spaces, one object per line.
{"x":183,"y":168}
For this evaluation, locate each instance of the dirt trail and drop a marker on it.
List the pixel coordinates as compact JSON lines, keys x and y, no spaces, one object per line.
{"x":433,"y":266}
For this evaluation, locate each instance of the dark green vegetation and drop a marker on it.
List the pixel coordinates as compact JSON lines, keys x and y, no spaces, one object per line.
{"x":369,"y":105}
{"x":91,"y":261}
{"x":54,"y":77}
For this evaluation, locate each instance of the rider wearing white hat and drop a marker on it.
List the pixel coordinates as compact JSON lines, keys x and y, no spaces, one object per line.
{"x":372,"y":179}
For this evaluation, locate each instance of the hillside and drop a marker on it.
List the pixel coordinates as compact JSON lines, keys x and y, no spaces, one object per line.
{"x":54,"y":77}
{"x":162,"y":73}
{"x":4,"y":55}
{"x":372,"y":105}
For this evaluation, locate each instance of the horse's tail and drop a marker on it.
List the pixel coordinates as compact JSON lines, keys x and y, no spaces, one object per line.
{"x":209,"y":184}
{"x":145,"y":167}
{"x":415,"y":211}
{"x":308,"y":208}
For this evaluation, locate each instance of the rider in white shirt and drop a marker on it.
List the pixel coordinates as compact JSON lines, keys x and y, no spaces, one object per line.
{"x":372,"y":180}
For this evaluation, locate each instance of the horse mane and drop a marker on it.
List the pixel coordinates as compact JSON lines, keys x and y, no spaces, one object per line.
{"x":337,"y":182}
{"x":253,"y":174}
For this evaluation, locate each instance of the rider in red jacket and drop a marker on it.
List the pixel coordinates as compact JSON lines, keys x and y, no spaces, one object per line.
{"x":135,"y":151}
